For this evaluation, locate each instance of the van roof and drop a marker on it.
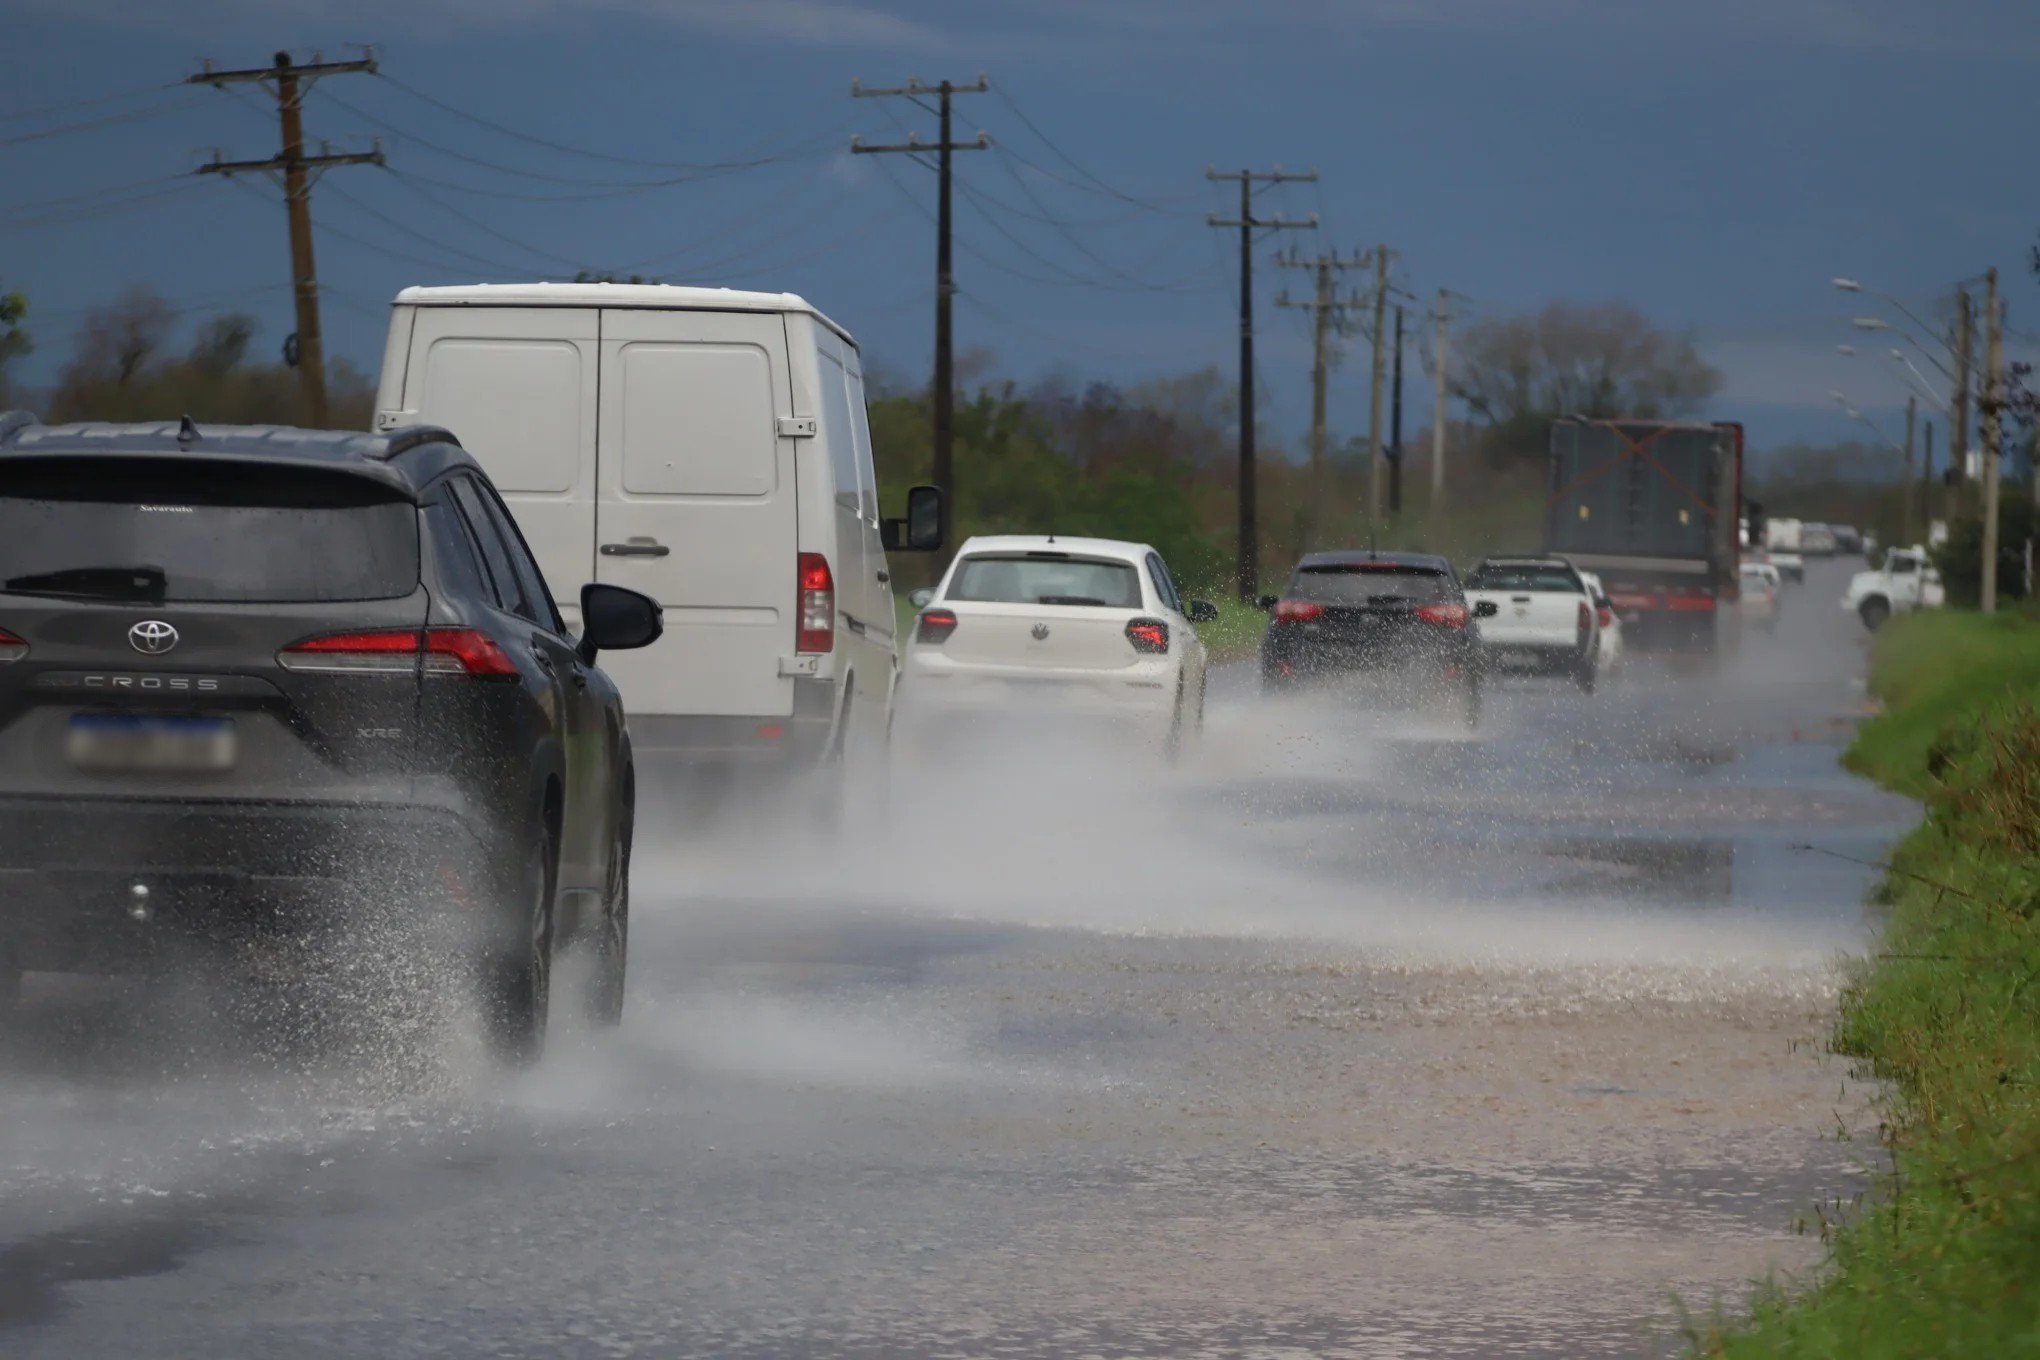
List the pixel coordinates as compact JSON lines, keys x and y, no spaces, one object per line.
{"x":651,"y":295}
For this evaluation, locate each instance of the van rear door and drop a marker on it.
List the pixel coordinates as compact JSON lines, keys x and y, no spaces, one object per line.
{"x":697,"y":507}
{"x":517,"y":386}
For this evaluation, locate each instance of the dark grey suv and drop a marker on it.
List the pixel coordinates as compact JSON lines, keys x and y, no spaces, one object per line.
{"x":244,"y":667}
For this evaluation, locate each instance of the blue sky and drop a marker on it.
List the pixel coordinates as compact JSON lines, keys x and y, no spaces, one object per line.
{"x":1714,"y":164}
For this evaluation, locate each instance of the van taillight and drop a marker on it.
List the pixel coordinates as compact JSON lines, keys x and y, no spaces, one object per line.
{"x":816,"y":629}
{"x":12,"y":648}
{"x":1150,"y":637}
{"x":935,"y":627}
{"x":435,"y":651}
{"x":1448,"y":615}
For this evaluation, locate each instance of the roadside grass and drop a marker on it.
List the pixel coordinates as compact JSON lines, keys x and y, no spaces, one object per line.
{"x":1945,"y":1258}
{"x":1236,"y":634}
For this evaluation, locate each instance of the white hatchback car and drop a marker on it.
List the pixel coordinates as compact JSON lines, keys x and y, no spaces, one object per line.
{"x":1084,"y":628}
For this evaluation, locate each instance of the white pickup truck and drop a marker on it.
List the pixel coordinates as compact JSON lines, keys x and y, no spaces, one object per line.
{"x":1536,"y":614}
{"x":1906,"y":580}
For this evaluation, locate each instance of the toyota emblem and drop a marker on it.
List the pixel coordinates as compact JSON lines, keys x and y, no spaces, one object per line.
{"x":1040,"y":631}
{"x":152,"y":637}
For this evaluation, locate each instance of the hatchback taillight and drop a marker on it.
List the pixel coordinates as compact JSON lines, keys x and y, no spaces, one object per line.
{"x":1447,"y":615}
{"x":815,"y":630}
{"x":435,"y":651}
{"x":935,"y":627}
{"x":1606,"y":616}
{"x":1150,"y":637}
{"x":12,"y":648}
{"x":1586,"y":617}
{"x":1297,"y":611}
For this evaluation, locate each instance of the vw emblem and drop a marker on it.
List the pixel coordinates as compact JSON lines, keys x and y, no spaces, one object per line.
{"x":152,"y":637}
{"x":1040,"y":631}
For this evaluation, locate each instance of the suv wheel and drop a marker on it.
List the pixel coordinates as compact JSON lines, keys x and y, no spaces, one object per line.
{"x":517,"y":975}
{"x":611,"y":941}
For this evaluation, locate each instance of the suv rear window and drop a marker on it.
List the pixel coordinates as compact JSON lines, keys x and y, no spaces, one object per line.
{"x":157,"y":529}
{"x":1045,"y":578}
{"x":1371,"y":585}
{"x":1525,"y":577}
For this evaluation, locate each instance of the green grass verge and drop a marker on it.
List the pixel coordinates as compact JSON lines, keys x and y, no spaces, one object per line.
{"x":1945,"y":1260}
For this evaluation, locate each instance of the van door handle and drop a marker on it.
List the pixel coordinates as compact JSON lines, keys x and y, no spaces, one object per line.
{"x":635,"y":549}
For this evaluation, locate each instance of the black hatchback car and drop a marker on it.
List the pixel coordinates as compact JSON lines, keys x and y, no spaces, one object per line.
{"x":244,"y":666}
{"x":1397,"y":618}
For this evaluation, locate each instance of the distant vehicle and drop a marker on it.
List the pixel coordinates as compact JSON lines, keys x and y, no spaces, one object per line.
{"x":243,"y":665}
{"x":1074,"y":628}
{"x":1608,"y":626}
{"x":1536,"y":615}
{"x":1783,"y":535}
{"x":709,"y":448}
{"x":1762,"y":592}
{"x":1818,"y":540}
{"x":1791,"y":566}
{"x":1401,"y":618}
{"x":1652,"y":507}
{"x":1847,"y":540}
{"x":1905,"y":581}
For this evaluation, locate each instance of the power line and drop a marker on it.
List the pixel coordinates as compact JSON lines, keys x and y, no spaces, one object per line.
{"x":487,"y":229}
{"x":564,"y":148}
{"x":92,"y":124}
{"x":97,"y":101}
{"x":1099,"y":185}
{"x":495,"y":266}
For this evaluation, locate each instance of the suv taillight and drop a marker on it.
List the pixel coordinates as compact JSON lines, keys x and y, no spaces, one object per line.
{"x":435,"y":651}
{"x":1448,"y":615}
{"x":935,"y":627}
{"x":1150,"y":637}
{"x":12,"y":648}
{"x":815,"y":630}
{"x":1297,"y":611}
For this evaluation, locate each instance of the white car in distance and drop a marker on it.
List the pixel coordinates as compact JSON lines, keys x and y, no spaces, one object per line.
{"x":1761,"y":593}
{"x":1083,"y":629}
{"x":1608,"y":653}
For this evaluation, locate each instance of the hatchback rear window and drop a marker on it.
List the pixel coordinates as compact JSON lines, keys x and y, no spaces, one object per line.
{"x":1045,"y":578}
{"x":157,"y":529}
{"x":1525,"y":578}
{"x":1371,"y":585}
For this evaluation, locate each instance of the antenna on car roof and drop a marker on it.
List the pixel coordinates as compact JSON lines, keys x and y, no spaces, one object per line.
{"x":187,"y":433}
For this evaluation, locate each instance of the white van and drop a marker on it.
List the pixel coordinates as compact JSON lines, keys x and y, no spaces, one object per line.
{"x":703,"y":446}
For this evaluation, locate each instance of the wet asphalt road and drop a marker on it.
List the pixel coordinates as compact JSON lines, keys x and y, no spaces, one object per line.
{"x":1344,"y":1037}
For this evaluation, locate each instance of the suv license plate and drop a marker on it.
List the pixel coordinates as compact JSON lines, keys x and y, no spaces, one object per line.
{"x":123,"y":742}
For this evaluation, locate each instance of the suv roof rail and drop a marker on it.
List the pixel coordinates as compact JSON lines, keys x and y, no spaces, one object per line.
{"x":408,"y":437}
{"x":14,"y":422}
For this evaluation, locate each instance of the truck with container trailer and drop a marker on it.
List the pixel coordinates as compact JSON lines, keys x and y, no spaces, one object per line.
{"x":1652,"y":507}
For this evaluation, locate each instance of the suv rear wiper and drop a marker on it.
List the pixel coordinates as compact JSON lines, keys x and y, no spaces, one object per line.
{"x":143,"y":584}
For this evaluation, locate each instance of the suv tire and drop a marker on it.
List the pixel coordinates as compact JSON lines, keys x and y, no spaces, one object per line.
{"x":1875,"y":612}
{"x":609,"y":942}
{"x":516,"y":981}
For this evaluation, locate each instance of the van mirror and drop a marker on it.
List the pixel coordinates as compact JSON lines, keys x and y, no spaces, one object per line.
{"x":617,"y":620}
{"x":921,"y":598}
{"x":1202,"y":611}
{"x":921,"y":530}
{"x":1485,"y":609}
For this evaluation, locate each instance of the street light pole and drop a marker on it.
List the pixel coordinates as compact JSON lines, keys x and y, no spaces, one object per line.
{"x":1993,"y":424}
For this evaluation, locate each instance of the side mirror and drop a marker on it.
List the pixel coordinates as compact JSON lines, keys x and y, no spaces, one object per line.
{"x":921,"y":598}
{"x":1202,"y":611}
{"x":1485,"y":609}
{"x":1267,"y":602}
{"x":921,"y":530}
{"x":617,"y":620}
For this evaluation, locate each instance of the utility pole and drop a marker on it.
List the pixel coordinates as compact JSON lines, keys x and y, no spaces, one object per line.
{"x":1912,"y":404}
{"x":1993,"y":425}
{"x":1249,"y":560}
{"x":1328,"y":315}
{"x":1374,"y":402}
{"x":1438,"y":414}
{"x":287,"y":84}
{"x":1395,"y":424}
{"x":1927,"y":482}
{"x":943,"y":398}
